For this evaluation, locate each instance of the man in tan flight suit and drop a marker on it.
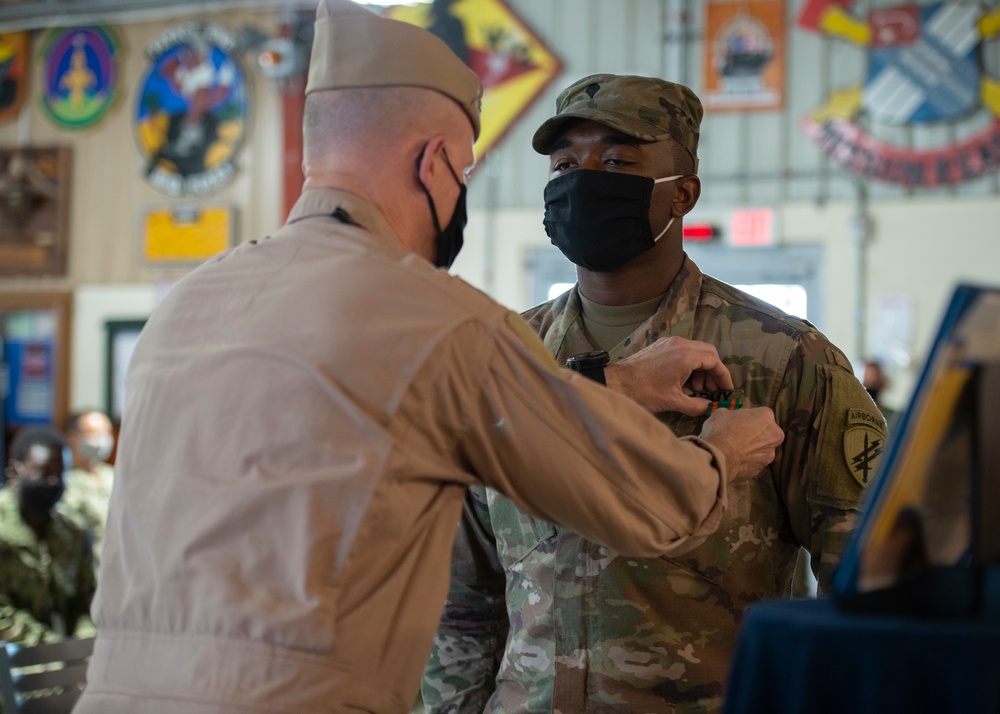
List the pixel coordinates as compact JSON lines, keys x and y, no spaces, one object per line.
{"x":304,"y":413}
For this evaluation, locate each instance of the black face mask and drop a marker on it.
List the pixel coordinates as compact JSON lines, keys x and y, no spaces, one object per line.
{"x":39,"y":496}
{"x":450,"y":239}
{"x":600,"y":219}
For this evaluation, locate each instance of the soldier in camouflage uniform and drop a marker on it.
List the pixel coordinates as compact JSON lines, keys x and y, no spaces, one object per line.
{"x":91,"y":440}
{"x":539,"y":619}
{"x":46,"y":562}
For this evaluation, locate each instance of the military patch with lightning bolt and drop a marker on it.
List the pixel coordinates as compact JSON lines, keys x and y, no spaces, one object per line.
{"x":864,"y":444}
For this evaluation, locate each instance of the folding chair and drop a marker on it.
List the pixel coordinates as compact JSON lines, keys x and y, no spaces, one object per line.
{"x":44,"y":679}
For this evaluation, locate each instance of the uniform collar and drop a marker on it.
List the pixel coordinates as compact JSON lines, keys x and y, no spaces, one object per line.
{"x":14,"y":531}
{"x":674,"y":316}
{"x":323,"y":202}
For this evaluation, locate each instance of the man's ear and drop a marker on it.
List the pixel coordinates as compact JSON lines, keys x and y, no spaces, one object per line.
{"x":687,"y":194}
{"x":425,"y":160}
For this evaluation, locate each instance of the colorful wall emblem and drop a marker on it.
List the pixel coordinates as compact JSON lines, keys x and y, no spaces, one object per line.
{"x":191,"y":115}
{"x":924,"y":67}
{"x":13,"y":73}
{"x":744,"y":63}
{"x":923,"y":64}
{"x":80,"y":78}
{"x":514,"y":65}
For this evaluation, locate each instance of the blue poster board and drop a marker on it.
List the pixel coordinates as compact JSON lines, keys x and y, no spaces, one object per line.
{"x":29,"y":351}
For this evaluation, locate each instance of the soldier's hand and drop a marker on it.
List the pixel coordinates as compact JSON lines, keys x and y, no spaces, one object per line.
{"x":656,"y":375}
{"x":747,"y":437}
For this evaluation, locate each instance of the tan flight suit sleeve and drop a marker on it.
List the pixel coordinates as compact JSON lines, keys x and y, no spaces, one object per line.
{"x":572,"y":452}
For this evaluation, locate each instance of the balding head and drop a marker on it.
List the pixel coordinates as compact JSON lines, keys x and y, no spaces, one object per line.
{"x":391,"y":115}
{"x":379,"y":90}
{"x":371,"y":131}
{"x":397,"y":147}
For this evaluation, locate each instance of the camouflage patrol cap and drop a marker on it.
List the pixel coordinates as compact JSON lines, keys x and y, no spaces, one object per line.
{"x":647,"y":108}
{"x":353,"y":47}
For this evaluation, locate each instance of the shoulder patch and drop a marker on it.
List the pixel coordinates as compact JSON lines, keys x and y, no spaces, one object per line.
{"x":864,"y":444}
{"x":850,"y":441}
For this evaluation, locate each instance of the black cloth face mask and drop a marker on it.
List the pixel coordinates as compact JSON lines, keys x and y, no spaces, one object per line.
{"x":600,"y":219}
{"x":39,"y":496}
{"x":449,"y":240}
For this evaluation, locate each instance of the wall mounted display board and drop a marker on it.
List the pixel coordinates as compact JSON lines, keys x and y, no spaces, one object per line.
{"x":34,"y":210}
{"x":177,"y":235}
{"x":743,"y":67}
{"x":924,"y":69}
{"x":35,"y":329}
{"x":514,"y":64}
{"x":13,"y":73}
{"x":191,"y":115}
{"x":80,"y":75}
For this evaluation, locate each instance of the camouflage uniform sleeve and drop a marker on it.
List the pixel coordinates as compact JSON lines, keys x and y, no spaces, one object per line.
{"x":78,"y":607}
{"x":834,"y":439}
{"x":460,"y":674}
{"x":17,"y":625}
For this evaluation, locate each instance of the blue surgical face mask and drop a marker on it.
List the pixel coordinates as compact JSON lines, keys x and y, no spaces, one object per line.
{"x":600,"y":219}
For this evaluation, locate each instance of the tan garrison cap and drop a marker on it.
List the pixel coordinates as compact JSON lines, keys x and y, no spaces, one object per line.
{"x":647,"y":108}
{"x":353,"y":47}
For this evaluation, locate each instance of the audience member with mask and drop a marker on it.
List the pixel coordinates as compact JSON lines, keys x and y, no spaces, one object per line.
{"x":46,"y":562}
{"x":91,"y":440}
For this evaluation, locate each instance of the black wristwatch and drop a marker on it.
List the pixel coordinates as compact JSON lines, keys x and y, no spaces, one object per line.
{"x":590,"y":364}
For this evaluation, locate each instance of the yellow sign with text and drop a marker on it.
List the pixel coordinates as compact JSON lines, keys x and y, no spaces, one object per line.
{"x":180,"y":235}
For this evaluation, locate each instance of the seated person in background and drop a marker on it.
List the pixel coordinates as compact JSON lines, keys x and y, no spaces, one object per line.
{"x":876,"y":383}
{"x":88,"y":481}
{"x":46,"y":563}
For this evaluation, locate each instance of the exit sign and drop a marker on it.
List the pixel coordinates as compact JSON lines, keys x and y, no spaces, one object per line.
{"x":752,"y":227}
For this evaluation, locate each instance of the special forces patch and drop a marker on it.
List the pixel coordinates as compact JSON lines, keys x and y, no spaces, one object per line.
{"x":864,"y":443}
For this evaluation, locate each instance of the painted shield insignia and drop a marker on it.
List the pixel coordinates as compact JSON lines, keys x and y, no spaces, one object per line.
{"x":923,"y":63}
{"x":80,"y":78}
{"x":13,"y":73}
{"x":864,"y":444}
{"x":924,"y":67}
{"x":192,"y":111}
{"x":514,"y":64}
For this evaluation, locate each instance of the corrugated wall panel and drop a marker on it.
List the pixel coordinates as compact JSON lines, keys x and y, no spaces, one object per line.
{"x":749,"y":158}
